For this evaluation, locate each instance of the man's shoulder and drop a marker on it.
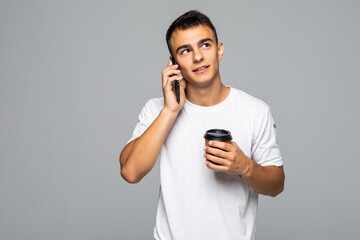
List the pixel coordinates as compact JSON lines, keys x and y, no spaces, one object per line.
{"x":155,"y":101}
{"x":249,"y":101}
{"x":154,"y":104}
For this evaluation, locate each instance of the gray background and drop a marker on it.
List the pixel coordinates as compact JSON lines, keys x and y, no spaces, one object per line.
{"x":75,"y":75}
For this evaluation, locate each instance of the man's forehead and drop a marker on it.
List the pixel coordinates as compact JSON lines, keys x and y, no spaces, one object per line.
{"x":191,"y":35}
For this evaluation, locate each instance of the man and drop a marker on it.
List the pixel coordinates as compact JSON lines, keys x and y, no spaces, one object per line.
{"x":206,"y":192}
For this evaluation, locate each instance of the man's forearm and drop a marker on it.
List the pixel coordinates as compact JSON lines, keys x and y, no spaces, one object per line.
{"x":266,"y":180}
{"x":139,"y":156}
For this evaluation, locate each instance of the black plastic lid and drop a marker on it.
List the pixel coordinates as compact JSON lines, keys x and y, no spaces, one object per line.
{"x":220,"y":135}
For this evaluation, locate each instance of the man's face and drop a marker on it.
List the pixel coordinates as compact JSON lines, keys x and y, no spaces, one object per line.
{"x":197,"y":54}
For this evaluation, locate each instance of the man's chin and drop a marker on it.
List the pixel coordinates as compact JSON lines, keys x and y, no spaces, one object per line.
{"x":200,"y":84}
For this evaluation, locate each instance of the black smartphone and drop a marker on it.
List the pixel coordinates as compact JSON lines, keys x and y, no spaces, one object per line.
{"x":176,"y":84}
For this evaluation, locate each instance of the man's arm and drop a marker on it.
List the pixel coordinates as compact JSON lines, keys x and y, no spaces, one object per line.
{"x":140,"y":155}
{"x":266,"y":180}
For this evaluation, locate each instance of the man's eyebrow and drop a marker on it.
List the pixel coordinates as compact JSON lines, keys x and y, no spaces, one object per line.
{"x":205,"y":40}
{"x":188,"y":45}
{"x":182,"y":46}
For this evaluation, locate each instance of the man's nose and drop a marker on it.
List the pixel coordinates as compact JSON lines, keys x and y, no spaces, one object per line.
{"x":198,"y":55}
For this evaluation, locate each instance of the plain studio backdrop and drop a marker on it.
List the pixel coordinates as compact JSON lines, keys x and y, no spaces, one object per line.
{"x":76,"y":74}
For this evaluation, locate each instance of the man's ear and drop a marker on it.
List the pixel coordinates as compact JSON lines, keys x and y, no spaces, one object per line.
{"x":172,"y":60}
{"x":220,"y":50}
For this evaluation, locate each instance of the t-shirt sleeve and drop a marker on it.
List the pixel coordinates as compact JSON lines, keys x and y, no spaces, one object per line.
{"x":265,"y":150}
{"x":146,"y":117}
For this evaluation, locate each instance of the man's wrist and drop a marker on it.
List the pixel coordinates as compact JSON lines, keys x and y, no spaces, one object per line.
{"x":246,"y":172}
{"x":170,"y":113}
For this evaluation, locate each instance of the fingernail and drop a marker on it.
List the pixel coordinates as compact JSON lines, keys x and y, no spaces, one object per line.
{"x":210,"y":143}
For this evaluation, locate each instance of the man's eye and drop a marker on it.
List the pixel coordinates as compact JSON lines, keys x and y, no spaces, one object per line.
{"x":205,"y":45}
{"x":185,"y":51}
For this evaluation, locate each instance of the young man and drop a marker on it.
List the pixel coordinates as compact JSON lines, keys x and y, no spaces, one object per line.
{"x":206,"y":192}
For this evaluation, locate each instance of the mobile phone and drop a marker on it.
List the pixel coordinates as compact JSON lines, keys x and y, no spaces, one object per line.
{"x":176,"y":83}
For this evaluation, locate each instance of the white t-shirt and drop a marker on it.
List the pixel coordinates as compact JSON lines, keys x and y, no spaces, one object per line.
{"x":196,"y":202}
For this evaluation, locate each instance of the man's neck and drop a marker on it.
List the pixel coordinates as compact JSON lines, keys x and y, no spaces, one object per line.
{"x":207,"y":96}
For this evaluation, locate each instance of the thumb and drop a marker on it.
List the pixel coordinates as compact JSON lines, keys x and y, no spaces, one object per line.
{"x":183,"y":83}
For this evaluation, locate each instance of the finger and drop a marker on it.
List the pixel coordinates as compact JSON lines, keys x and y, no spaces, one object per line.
{"x":183,"y":83}
{"x":216,"y":159}
{"x":182,"y":86}
{"x":228,"y":147}
{"x":175,"y":77}
{"x":217,"y":152}
{"x":169,"y":68}
{"x":171,"y":79}
{"x":171,"y":60}
{"x":171,"y":71}
{"x":218,"y":168}
{"x":168,"y":74}
{"x":172,"y":66}
{"x":168,"y":87}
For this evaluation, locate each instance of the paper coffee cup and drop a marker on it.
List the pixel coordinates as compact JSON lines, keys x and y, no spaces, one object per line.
{"x":219,"y":135}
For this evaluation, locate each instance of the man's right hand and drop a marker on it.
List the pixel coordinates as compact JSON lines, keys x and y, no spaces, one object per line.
{"x":169,"y":74}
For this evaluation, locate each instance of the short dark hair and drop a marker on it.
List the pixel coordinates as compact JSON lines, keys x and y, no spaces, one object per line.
{"x":189,"y":19}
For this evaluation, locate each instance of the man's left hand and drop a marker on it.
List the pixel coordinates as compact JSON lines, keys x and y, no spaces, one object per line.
{"x":226,"y":157}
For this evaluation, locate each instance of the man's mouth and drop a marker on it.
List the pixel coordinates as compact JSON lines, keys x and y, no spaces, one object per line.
{"x":201,"y":69}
